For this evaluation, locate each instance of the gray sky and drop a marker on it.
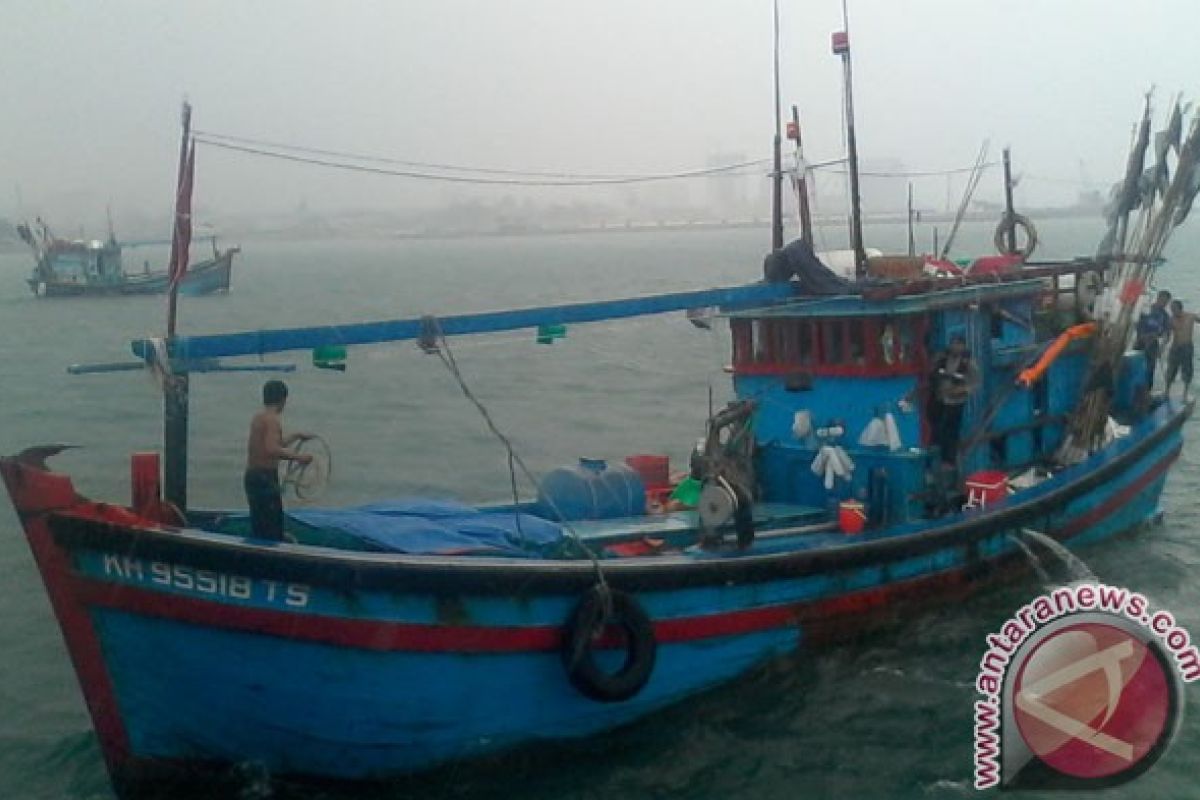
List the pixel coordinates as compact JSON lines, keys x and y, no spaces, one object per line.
{"x":93,"y":89}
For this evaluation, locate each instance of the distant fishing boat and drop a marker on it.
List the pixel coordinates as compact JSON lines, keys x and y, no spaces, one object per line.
{"x":393,"y":637}
{"x":92,"y":267}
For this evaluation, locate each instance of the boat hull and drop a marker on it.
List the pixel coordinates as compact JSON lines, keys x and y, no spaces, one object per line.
{"x":205,"y":277}
{"x":196,"y":650}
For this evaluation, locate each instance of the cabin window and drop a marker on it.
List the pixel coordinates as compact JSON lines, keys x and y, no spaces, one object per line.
{"x":850,"y":346}
{"x":806,"y":343}
{"x":833,"y":342}
{"x":789,"y":342}
{"x":908,"y":349}
{"x":742,"y":349}
{"x":777,"y":338}
{"x":889,"y":344}
{"x":896,"y":342}
{"x":856,"y":342}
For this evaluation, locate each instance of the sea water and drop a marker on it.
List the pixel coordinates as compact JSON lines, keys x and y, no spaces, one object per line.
{"x":886,"y":716}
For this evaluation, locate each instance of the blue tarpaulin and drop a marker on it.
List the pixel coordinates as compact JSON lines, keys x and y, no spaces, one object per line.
{"x":436,"y":527}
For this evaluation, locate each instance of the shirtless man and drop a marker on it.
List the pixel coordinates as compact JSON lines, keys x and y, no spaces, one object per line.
{"x":265,"y":448}
{"x":1182,"y":353}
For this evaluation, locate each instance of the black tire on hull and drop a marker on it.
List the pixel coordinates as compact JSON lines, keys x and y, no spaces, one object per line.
{"x":586,"y":623}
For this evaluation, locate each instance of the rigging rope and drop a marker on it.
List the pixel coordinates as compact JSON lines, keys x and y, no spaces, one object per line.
{"x":968,"y":193}
{"x":435,"y":342}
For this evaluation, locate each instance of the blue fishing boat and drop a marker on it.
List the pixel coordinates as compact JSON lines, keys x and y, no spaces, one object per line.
{"x":93,"y":268}
{"x":393,"y":637}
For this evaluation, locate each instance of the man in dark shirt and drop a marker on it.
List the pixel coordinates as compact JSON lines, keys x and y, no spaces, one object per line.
{"x":954,"y":378}
{"x":1152,"y":327}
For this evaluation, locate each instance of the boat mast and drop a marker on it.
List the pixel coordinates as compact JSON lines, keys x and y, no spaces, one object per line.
{"x":175,"y":386}
{"x":183,"y":157}
{"x":841,"y":46}
{"x":777,"y":175}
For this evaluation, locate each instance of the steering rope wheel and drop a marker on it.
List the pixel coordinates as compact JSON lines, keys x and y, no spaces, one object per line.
{"x":309,"y":481}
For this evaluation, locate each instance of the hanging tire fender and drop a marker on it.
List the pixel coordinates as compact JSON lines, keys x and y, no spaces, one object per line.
{"x":1018,"y":221}
{"x":598,"y":609}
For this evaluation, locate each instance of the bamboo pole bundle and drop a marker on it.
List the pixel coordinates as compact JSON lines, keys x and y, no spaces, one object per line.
{"x":1135,"y":252}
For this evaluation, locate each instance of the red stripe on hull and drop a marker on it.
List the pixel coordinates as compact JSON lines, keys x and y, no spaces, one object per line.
{"x":1099,"y":512}
{"x":399,"y":636}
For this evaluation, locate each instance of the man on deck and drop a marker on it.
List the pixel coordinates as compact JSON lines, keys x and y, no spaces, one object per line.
{"x":1182,"y":352}
{"x":954,"y":378}
{"x":265,"y":448}
{"x":1152,"y":327}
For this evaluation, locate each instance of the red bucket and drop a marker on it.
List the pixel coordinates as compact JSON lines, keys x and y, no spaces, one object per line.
{"x":852,"y":516}
{"x":986,"y":486}
{"x":654,"y":470}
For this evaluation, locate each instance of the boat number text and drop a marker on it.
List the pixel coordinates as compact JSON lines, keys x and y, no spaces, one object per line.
{"x":206,"y":582}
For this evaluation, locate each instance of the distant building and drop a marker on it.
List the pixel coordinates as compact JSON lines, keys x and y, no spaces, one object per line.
{"x":882,"y":188}
{"x":732,"y":195}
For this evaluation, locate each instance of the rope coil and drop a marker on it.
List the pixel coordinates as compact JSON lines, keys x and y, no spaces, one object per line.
{"x":309,"y":481}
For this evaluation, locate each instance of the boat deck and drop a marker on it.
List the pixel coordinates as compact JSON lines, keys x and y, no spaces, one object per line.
{"x":678,"y":530}
{"x":671,"y":532}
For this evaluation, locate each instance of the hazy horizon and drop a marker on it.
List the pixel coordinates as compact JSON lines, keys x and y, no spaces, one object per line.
{"x":575,"y":87}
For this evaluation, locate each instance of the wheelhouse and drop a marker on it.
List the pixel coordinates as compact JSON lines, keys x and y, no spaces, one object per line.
{"x":821,"y":370}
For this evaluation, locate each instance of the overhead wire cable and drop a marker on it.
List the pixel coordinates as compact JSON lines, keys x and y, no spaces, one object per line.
{"x":245,"y":140}
{"x":282,"y":150}
{"x":933,"y":173}
{"x":433,"y":176}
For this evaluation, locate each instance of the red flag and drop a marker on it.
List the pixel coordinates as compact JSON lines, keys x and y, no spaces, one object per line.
{"x":181,"y":240}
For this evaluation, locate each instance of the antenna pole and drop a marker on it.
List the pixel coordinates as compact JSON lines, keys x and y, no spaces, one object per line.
{"x":912,"y":242}
{"x":1010,"y":217}
{"x":806,"y":229}
{"x":841,"y":46}
{"x":777,"y":175}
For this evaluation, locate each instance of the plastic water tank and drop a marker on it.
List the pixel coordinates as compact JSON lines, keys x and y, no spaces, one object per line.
{"x":591,"y":489}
